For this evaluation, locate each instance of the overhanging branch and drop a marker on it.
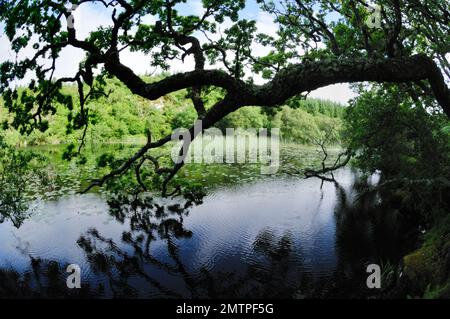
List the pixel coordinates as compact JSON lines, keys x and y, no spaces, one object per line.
{"x":294,"y":80}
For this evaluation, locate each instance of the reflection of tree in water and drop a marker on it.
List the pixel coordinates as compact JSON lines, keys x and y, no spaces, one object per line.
{"x":274,"y":280}
{"x":365,"y":228}
{"x":367,"y":225}
{"x":44,"y":279}
{"x":369,"y":229}
{"x":128,"y":268}
{"x":149,"y":222}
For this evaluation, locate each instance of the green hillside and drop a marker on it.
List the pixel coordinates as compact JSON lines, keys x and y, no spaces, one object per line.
{"x":123,"y":117}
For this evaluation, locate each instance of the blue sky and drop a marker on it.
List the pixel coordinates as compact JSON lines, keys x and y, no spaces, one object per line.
{"x":88,"y":17}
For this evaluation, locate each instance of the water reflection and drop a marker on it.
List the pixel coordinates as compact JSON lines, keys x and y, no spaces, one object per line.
{"x":284,"y":238}
{"x":132,"y":269}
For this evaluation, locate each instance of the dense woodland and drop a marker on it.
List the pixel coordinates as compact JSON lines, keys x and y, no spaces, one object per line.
{"x":119,"y":116}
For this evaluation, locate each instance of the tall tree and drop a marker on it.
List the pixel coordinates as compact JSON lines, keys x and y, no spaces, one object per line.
{"x":315,"y":43}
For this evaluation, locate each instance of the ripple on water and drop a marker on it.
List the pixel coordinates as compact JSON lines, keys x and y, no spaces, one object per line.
{"x":280,"y":225}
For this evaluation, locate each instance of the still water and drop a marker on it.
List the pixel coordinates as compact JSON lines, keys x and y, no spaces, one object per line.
{"x":280,"y":236}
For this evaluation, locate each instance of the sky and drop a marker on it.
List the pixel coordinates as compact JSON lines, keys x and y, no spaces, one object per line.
{"x":88,"y":17}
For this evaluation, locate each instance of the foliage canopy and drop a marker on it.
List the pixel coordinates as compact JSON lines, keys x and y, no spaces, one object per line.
{"x":314,"y":43}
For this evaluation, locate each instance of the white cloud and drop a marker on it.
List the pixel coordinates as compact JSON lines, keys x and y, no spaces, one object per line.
{"x":338,"y":92}
{"x":265,"y":24}
{"x":5,"y":52}
{"x":90,"y":17}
